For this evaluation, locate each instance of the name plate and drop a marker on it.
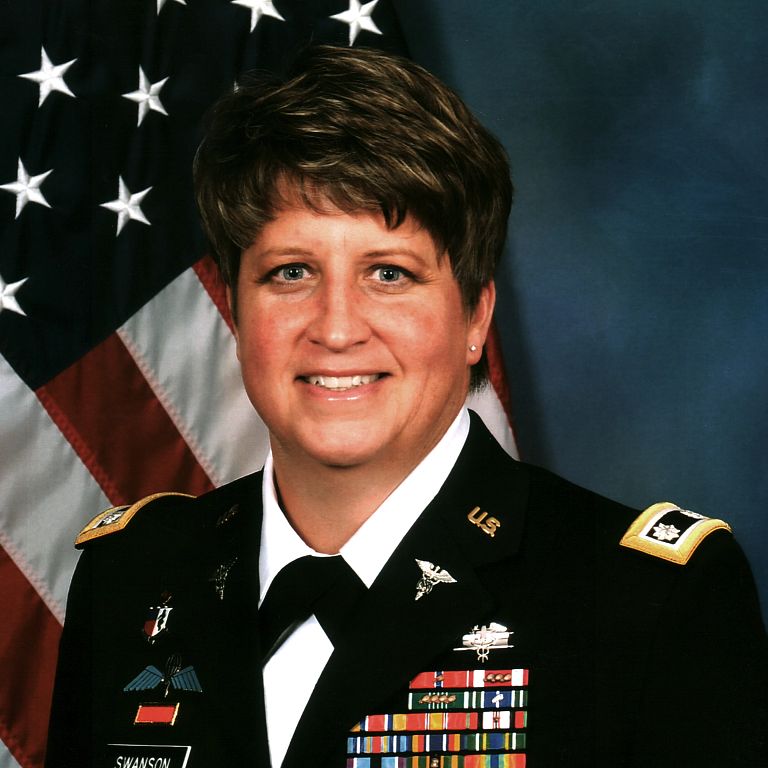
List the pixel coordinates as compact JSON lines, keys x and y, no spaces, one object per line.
{"x":147,"y":756}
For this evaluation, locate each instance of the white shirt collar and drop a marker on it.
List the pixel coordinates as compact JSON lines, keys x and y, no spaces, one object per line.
{"x":377,"y":538}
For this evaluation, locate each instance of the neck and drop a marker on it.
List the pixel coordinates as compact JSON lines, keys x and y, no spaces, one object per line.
{"x":326,"y":505}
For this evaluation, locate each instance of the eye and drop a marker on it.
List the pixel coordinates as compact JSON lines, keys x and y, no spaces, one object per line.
{"x":286,"y":275}
{"x":389,"y":274}
{"x":291,"y":273}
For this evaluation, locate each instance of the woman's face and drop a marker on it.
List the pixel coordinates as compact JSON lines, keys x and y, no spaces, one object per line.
{"x":353,"y":339}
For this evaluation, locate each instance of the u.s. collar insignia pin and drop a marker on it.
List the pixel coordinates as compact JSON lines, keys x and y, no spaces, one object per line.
{"x":484,"y":639}
{"x":431,"y":574}
{"x":156,"y":621}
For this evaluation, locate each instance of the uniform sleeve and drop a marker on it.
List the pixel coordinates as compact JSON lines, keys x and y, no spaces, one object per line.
{"x":71,"y":712}
{"x":706,"y":698}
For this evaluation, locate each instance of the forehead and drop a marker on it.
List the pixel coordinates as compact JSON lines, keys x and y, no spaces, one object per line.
{"x":291,"y":196}
{"x":318,"y":230}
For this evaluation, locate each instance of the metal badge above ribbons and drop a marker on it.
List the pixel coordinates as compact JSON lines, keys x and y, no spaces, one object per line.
{"x":485,"y":638}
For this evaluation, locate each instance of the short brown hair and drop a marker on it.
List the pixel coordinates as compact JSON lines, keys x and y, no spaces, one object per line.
{"x":365,"y":130}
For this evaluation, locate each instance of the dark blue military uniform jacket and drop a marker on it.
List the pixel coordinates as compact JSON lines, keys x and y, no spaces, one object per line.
{"x":614,"y":657}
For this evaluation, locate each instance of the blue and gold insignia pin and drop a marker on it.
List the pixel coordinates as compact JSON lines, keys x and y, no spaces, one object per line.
{"x":151,"y":678}
{"x":174,"y":677}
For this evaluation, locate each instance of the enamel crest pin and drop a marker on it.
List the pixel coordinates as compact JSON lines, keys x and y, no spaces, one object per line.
{"x":156,"y":620}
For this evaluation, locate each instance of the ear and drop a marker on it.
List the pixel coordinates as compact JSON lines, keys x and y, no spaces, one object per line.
{"x":232,"y":314}
{"x":480,"y":321}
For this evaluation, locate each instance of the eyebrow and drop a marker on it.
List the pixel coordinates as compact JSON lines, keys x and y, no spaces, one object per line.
{"x":372,"y":255}
{"x":383,"y":253}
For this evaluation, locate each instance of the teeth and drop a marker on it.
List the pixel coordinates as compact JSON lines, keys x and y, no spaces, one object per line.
{"x":340,"y":383}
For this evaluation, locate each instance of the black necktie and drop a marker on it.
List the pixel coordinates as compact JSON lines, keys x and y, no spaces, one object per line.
{"x":324,"y":586}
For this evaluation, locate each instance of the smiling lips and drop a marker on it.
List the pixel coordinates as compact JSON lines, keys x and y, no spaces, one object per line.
{"x":342,"y":383}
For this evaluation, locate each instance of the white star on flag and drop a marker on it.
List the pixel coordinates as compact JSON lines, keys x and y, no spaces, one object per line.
{"x":50,"y":77}
{"x":259,"y":8}
{"x":148,"y":96}
{"x":358,"y":17}
{"x":27,"y":188}
{"x":161,"y":3}
{"x":8,"y":295}
{"x":127,"y":206}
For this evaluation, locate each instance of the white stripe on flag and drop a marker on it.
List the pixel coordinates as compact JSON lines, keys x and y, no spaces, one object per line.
{"x":186,"y":351}
{"x":6,"y":758}
{"x":487,"y":405}
{"x":47,"y":494}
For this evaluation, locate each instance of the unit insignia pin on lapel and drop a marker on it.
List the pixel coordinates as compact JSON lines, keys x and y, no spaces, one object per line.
{"x":157,"y":618}
{"x":431,"y":574}
{"x":484,"y":639}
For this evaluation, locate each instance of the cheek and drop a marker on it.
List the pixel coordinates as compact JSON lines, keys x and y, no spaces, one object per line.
{"x":432,"y":340}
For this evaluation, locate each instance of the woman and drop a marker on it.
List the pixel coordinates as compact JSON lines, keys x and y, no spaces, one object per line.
{"x":392,"y":589}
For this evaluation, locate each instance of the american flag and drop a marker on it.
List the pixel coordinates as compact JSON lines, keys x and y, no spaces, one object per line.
{"x":118,"y":375}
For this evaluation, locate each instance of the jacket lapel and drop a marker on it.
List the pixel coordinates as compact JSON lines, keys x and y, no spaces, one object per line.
{"x":393,"y":636}
{"x":220,"y":614}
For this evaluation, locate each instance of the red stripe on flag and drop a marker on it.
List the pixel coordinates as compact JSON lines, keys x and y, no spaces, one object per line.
{"x":106,"y":409}
{"x":496,"y":373}
{"x":208,"y":274}
{"x":29,"y":646}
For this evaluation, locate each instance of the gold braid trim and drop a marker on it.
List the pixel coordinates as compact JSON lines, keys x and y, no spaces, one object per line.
{"x":655,"y":533}
{"x":116,"y":518}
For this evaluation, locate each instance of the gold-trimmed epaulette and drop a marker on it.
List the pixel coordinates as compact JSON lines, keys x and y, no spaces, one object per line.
{"x":667,"y":531}
{"x":116,"y":518}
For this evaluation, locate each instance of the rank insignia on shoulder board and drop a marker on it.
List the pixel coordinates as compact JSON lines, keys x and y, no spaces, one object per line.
{"x":665,"y":530}
{"x":116,"y":518}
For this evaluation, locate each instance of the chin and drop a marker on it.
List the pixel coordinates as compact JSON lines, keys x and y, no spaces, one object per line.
{"x":343,"y":457}
{"x":345,"y":449}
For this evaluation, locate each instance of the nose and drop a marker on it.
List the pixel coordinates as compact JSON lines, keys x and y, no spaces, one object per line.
{"x":339,"y":320}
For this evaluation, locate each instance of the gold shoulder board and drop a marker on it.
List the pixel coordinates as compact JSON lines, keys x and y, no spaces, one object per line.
{"x":667,"y":531}
{"x":116,"y":518}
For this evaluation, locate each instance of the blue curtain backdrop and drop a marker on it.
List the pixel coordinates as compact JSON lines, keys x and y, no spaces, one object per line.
{"x":634,"y":293}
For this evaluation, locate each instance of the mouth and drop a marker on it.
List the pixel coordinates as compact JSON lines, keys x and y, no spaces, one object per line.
{"x":342,"y":383}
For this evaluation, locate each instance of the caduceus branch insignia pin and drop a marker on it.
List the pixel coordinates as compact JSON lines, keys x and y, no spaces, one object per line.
{"x":431,"y":575}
